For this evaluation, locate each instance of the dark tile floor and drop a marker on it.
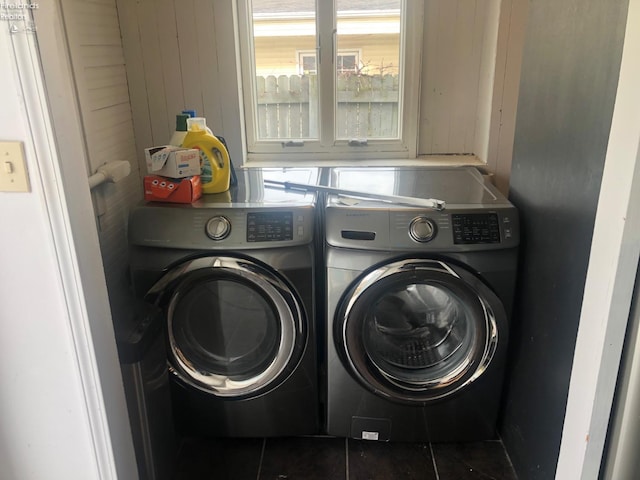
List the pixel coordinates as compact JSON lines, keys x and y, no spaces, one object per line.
{"x":327,"y":458}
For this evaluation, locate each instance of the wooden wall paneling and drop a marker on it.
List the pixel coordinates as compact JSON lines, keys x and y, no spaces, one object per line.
{"x":108,"y":96}
{"x":100,"y":77}
{"x":208,"y":59}
{"x":100,"y":34}
{"x":189,"y":54}
{"x":225,"y":14}
{"x":107,"y":75}
{"x":447,"y":32}
{"x":102,"y":15}
{"x":510,"y":42}
{"x":98,"y":62}
{"x":457,"y":54}
{"x":136,"y":80}
{"x":149,"y":38}
{"x":170,"y":55}
{"x":110,"y":120}
{"x":104,"y":152}
{"x":463,"y":76}
{"x":208,"y":63}
{"x":115,"y":127}
{"x":475,"y":67}
{"x":498,"y":83}
{"x":486,"y":79}
{"x":92,"y":55}
{"x":428,"y":88}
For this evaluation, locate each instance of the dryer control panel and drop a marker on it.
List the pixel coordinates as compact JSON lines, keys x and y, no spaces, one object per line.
{"x":236,"y":228}
{"x":269,"y":226}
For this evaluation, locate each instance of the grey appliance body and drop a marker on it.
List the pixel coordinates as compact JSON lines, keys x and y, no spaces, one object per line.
{"x":417,"y":305}
{"x":233,"y":274}
{"x":143,"y":363}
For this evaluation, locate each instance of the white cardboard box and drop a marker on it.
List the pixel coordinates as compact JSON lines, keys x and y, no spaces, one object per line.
{"x":173,"y":162}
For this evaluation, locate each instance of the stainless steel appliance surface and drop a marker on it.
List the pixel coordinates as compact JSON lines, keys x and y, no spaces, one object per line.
{"x":233,"y":274}
{"x":144,"y":374}
{"x":417,"y":305}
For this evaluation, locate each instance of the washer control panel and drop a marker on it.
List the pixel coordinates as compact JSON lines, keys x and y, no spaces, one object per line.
{"x":408,"y":229}
{"x":474,"y":228}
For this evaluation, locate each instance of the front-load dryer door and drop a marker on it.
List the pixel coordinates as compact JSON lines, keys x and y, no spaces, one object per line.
{"x":419,"y":330}
{"x":235,"y":328}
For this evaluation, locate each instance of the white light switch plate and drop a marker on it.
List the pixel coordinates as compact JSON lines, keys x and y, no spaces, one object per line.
{"x":13,"y":168}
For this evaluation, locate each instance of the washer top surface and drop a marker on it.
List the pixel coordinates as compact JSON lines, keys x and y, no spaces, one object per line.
{"x":457,"y":186}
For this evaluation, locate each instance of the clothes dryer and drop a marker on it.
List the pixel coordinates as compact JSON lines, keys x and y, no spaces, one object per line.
{"x":418,"y":305}
{"x":233,"y":274}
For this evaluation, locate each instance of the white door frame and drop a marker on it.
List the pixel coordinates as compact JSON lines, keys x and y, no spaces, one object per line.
{"x":610,"y":278}
{"x":51,"y":105}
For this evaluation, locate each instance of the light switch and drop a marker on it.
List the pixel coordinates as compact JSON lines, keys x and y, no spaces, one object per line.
{"x":13,"y":168}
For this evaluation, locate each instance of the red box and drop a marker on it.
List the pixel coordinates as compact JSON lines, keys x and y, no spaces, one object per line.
{"x":163,"y":189}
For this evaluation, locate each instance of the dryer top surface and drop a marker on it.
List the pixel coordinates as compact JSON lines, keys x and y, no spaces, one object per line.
{"x":251,"y":191}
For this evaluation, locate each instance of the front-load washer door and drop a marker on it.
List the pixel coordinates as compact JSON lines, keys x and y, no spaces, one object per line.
{"x":418,"y":330}
{"x":235,"y":328}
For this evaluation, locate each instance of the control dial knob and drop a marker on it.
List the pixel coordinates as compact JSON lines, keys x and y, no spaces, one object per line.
{"x":218,"y":228}
{"x":422,"y":229}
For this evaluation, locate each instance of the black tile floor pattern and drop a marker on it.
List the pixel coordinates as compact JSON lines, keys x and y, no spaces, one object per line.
{"x":328,"y":458}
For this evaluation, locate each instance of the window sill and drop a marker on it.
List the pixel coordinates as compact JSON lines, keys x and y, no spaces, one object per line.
{"x":423,"y":160}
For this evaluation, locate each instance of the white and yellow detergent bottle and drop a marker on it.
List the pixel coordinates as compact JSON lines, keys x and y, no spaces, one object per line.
{"x":214,"y":158}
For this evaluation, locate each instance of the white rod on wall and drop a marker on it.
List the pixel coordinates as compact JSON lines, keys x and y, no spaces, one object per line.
{"x":110,"y":172}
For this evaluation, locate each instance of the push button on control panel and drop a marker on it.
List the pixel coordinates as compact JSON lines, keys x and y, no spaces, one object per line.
{"x":506,"y":227}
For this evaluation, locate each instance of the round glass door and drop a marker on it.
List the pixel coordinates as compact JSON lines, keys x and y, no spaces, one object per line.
{"x":235,"y":329}
{"x":415,"y":331}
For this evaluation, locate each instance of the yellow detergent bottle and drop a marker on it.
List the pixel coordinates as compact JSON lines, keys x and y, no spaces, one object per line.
{"x":214,"y":158}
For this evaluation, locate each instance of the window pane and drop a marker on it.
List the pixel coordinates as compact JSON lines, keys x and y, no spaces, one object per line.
{"x":284,"y":40}
{"x":367,"y":92}
{"x":347,"y":62}
{"x":308,"y":63}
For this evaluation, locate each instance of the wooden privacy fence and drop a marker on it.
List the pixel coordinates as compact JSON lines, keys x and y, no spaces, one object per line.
{"x":367,"y":106}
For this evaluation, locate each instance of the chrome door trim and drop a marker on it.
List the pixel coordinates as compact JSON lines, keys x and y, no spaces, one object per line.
{"x":288,"y":309}
{"x":457,"y":379}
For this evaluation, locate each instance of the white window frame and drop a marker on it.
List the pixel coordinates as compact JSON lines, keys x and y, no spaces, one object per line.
{"x":301,"y":54}
{"x":327,"y":147}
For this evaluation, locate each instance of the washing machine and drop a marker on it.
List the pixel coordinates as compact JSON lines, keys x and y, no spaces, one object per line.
{"x":233,"y":274}
{"x":418,"y":302}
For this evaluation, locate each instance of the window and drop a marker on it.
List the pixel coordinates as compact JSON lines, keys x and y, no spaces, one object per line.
{"x":346,"y":62}
{"x":330,"y":79}
{"x":307,"y":63}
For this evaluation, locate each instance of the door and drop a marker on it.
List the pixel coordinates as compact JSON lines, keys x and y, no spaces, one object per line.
{"x":419,"y":330}
{"x":235,"y":327}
